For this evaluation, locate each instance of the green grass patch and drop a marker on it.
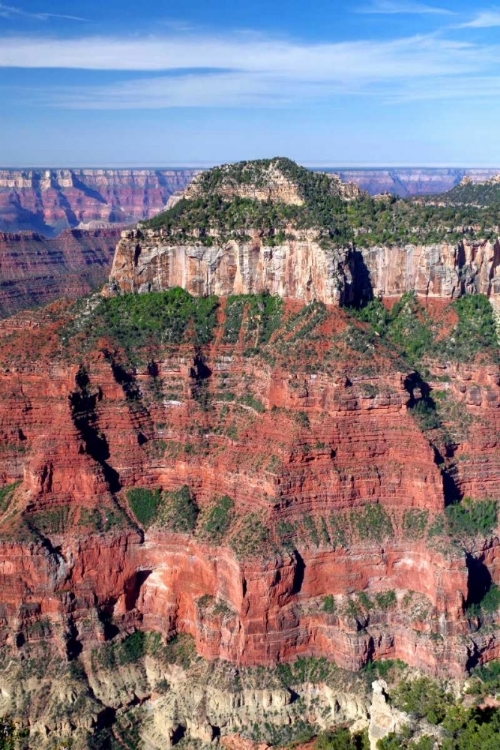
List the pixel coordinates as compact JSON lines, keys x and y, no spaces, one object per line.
{"x":179,"y":512}
{"x":145,"y":504}
{"x":218,"y":519}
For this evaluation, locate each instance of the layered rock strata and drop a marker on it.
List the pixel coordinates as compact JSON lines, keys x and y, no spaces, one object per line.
{"x":51,"y":200}
{"x":75,"y":449}
{"x":145,"y":260}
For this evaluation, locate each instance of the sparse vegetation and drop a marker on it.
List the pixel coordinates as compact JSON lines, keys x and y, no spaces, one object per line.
{"x":217,"y":519}
{"x":144,"y":504}
{"x":469,"y":518}
{"x":179,"y":511}
{"x":372,"y":522}
{"x":139,"y":321}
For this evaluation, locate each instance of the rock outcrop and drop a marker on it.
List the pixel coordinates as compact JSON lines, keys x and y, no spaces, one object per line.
{"x":444,"y":271}
{"x":303,"y":269}
{"x":298,"y":269}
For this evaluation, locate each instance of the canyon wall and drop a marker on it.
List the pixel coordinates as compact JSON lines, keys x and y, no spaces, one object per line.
{"x":35,"y":270}
{"x":412,"y":181}
{"x":51,"y":200}
{"x":299,"y":269}
{"x":73,"y":557}
{"x":302,"y":269}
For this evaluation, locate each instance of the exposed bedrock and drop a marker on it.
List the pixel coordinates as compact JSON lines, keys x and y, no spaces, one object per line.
{"x":301,"y":269}
{"x":75,"y":442}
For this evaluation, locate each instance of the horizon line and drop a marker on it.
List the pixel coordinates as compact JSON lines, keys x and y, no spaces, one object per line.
{"x":178,"y":166}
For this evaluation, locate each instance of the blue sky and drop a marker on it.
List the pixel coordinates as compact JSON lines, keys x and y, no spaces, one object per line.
{"x":331,"y":82}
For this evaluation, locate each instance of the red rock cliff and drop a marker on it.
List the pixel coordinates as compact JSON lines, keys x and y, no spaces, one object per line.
{"x":304,"y":460}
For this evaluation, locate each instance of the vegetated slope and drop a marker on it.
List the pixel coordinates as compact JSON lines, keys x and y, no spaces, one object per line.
{"x":228,"y":202}
{"x":274,"y":480}
{"x":273,"y":226}
{"x":484,"y":194}
{"x":35,"y":270}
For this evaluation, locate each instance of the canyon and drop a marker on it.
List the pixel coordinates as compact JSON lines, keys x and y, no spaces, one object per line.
{"x":48,"y":201}
{"x":225,"y":488}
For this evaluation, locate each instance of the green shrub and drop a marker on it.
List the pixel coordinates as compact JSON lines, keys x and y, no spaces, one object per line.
{"x":386,"y":600}
{"x":415,"y":523}
{"x":144,"y":504}
{"x":409,"y":327}
{"x":302,"y":419}
{"x":341,"y":739}
{"x":491,"y":600}
{"x":424,"y":412}
{"x":134,"y":321}
{"x":475,"y":331}
{"x":372,"y":523}
{"x":252,"y":538}
{"x":218,"y":519}
{"x":6,"y":494}
{"x":423,"y":698}
{"x":470,"y":518}
{"x":252,"y":402}
{"x":179,"y":512}
{"x":130,"y":650}
{"x":329,"y":604}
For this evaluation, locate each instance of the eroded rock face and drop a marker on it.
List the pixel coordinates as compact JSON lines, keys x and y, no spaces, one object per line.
{"x":36,"y":270}
{"x":302,"y":269}
{"x":75,"y":447}
{"x":298,"y":269}
{"x":441,"y":270}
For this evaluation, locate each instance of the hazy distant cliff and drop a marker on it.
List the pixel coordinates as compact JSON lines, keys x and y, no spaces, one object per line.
{"x":51,"y":200}
{"x":35,"y":270}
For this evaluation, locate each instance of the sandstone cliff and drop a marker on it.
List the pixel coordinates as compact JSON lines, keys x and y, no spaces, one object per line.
{"x":302,"y":269}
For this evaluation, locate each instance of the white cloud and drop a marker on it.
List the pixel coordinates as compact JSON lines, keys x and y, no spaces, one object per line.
{"x":409,"y":7}
{"x":9,"y":11}
{"x":342,"y":62}
{"x":485,"y":20}
{"x":246,"y":70}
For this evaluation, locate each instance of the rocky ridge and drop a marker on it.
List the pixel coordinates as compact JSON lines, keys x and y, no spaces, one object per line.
{"x":298,"y":257}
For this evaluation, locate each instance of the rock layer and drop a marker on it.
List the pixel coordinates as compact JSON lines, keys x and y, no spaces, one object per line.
{"x":49,"y":201}
{"x":302,"y":269}
{"x":80,"y":560}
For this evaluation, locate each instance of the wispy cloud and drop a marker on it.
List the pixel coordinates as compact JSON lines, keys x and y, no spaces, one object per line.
{"x":402,"y":6}
{"x":9,"y":11}
{"x":242,"y":70}
{"x":366,"y":60}
{"x":487,"y":19}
